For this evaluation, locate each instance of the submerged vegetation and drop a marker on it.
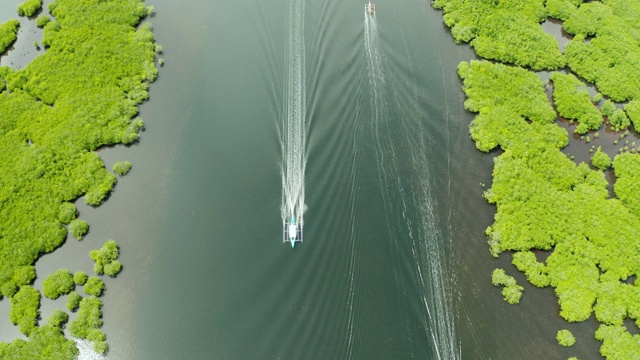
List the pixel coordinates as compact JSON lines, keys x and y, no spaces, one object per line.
{"x":79,"y":95}
{"x":547,"y":205}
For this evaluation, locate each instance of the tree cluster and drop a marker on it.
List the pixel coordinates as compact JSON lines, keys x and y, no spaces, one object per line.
{"x":511,"y":291}
{"x":106,"y":259}
{"x":547,"y":202}
{"x":79,"y":95}
{"x":8,"y":34}
{"x":25,"y":309}
{"x":88,"y":322}
{"x":94,"y":286}
{"x":574,"y":102}
{"x":605,"y":50}
{"x":58,"y":283}
{"x":122,"y":167}
{"x":506,"y":31}
{"x":600,"y":159}
{"x":565,"y":338}
{"x":29,"y":7}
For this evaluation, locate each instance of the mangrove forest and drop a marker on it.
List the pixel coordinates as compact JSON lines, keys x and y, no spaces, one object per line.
{"x":556,"y":218}
{"x":81,"y":94}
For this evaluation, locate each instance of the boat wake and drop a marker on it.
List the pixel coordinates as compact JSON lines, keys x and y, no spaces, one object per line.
{"x":293,"y":131}
{"x":417,"y":241}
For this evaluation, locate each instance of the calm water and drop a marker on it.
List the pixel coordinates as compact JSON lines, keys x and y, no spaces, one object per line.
{"x":394,"y":264}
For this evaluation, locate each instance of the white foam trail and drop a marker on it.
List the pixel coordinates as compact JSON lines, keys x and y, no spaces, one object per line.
{"x":85,"y":350}
{"x":294,"y":129}
{"x":427,"y":261}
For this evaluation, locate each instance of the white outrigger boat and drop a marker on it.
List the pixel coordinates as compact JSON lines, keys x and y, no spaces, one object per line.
{"x":292,"y":232}
{"x":370,"y":8}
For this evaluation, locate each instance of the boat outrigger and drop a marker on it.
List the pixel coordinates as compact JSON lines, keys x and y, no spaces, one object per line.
{"x":292,"y":232}
{"x":370,"y":8}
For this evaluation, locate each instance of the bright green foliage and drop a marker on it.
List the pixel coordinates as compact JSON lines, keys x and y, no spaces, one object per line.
{"x":122,"y":167}
{"x":80,"y":278}
{"x":42,"y":20}
{"x":58,"y":318}
{"x":8,"y":34}
{"x":597,"y":98}
{"x":600,"y":159}
{"x":574,"y":102}
{"x":73,"y":300}
{"x":9,"y":289}
{"x":589,"y":18}
{"x":617,"y":343}
{"x":633,"y":110}
{"x":100,"y":347}
{"x":107,"y":254}
{"x":535,"y":271}
{"x":512,"y":292}
{"x":565,"y":338}
{"x":113,"y":268}
{"x":608,"y":108}
{"x":627,"y":186}
{"x":494,"y":85}
{"x":562,"y":9}
{"x":547,"y":202}
{"x":25,"y":310}
{"x":500,"y":127}
{"x":98,"y":269}
{"x":77,"y":96}
{"x":619,"y":120}
{"x":78,"y":228}
{"x":94,"y":286}
{"x":29,"y":7}
{"x":24,"y":275}
{"x":610,"y":59}
{"x":45,"y":343}
{"x":89,"y":319}
{"x":58,"y":283}
{"x":507,"y":31}
{"x":67,"y":212}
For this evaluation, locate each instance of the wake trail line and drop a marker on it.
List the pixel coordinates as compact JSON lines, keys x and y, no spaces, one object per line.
{"x":294,"y":126}
{"x":409,"y":203}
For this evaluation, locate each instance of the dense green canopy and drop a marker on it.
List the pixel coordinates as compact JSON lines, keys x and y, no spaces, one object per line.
{"x":8,"y":35}
{"x":574,"y":102}
{"x":611,"y":59}
{"x":546,"y":202}
{"x":79,"y":95}
{"x":507,"y":31}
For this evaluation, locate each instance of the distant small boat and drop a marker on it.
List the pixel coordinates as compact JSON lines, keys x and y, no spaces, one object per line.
{"x":370,"y":8}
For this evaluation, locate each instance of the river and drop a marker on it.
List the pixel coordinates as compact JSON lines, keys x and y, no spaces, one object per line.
{"x":394,"y":263}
